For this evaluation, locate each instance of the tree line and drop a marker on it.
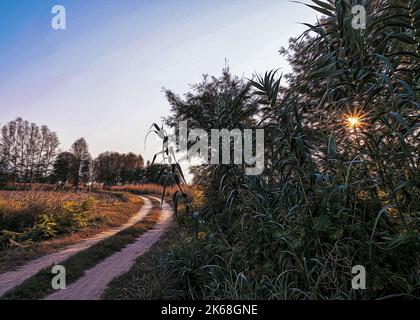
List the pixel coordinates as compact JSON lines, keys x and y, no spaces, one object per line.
{"x":31,"y":154}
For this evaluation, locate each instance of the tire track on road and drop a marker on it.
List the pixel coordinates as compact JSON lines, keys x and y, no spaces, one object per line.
{"x":93,"y":284}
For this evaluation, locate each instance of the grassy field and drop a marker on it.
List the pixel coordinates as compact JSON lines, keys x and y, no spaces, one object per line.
{"x":33,"y":223}
{"x":39,"y":285}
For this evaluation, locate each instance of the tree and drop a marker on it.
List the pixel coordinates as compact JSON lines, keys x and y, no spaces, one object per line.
{"x":112,"y":168}
{"x":63,"y":167}
{"x":130,"y":165}
{"x":3,"y":171}
{"x":82,"y":161}
{"x":106,"y":168}
{"x":47,"y":151}
{"x":220,"y":103}
{"x":153,"y":173}
{"x":28,"y":150}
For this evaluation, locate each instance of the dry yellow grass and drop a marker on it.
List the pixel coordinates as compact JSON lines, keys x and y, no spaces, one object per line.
{"x":151,"y":188}
{"x":98,"y":208}
{"x":21,"y":209}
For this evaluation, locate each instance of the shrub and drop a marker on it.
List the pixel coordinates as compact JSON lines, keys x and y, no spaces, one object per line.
{"x":36,"y":216}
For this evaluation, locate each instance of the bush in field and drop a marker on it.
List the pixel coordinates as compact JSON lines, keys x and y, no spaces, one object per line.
{"x":35,"y":216}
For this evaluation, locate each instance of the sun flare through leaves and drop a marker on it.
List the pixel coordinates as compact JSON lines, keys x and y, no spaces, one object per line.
{"x":356,"y":119}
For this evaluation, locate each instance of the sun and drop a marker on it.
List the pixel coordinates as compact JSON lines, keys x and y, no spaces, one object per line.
{"x":354,"y":120}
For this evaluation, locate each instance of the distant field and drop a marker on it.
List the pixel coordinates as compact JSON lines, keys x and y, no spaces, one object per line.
{"x":14,"y":186}
{"x":150,"y":188}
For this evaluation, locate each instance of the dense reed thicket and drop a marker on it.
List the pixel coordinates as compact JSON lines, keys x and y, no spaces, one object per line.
{"x":341,"y":181}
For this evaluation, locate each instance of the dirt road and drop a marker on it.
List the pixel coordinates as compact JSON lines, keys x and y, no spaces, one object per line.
{"x":92,"y":285}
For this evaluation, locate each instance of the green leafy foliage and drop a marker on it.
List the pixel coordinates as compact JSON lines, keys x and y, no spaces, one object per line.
{"x":334,"y":193}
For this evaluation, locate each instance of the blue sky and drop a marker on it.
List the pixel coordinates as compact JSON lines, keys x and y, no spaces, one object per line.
{"x":102,"y":77}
